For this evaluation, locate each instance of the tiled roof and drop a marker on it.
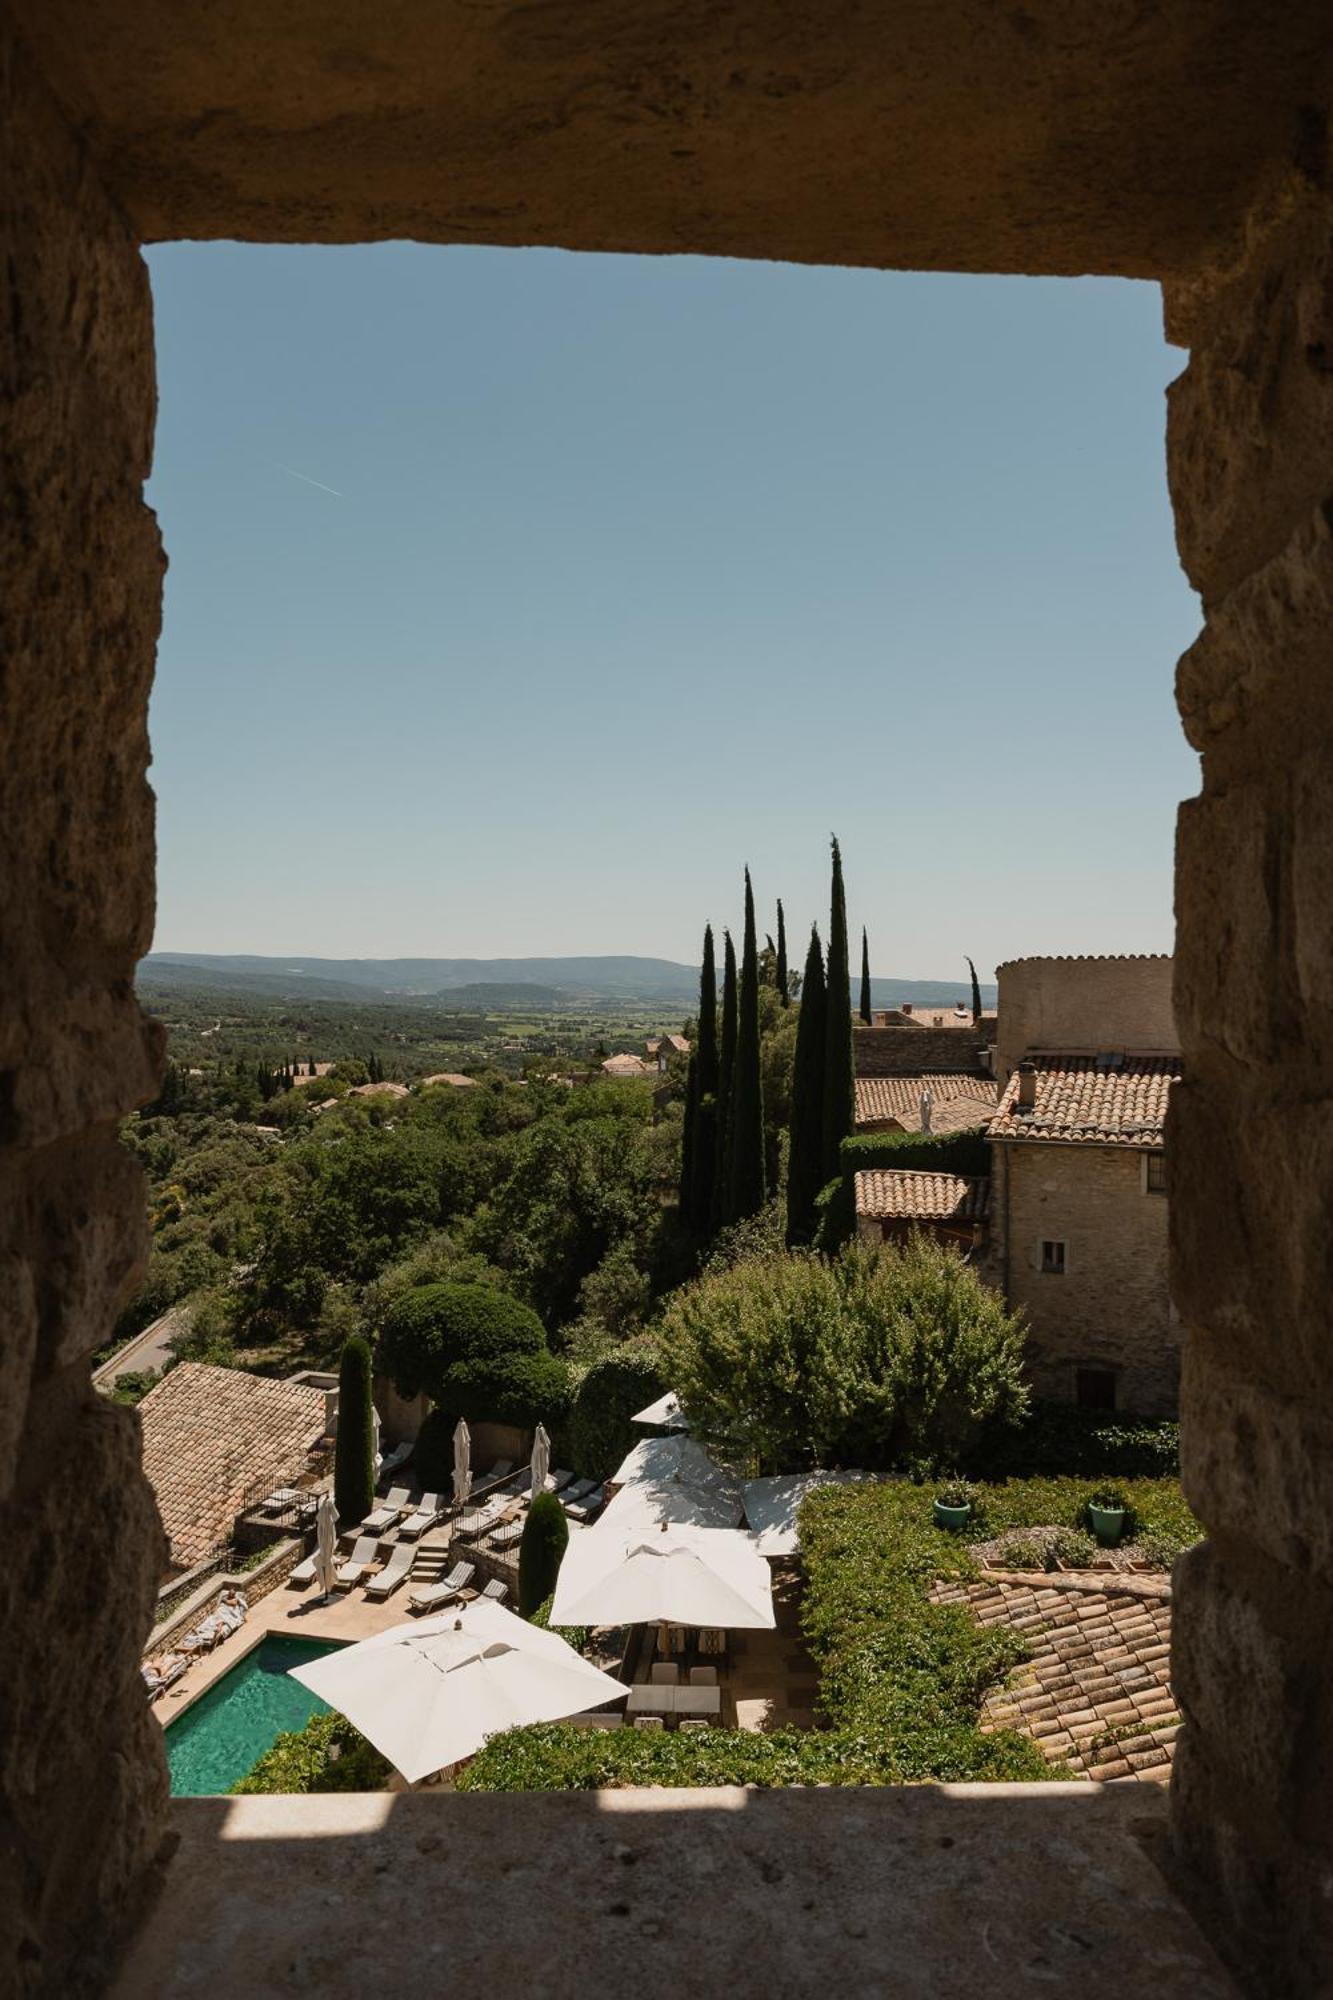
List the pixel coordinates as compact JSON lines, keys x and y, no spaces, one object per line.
{"x":1094,"y":1693}
{"x":1081,"y":1098}
{"x":209,"y":1435}
{"x":893,"y":1197}
{"x":378,"y":1090}
{"x":452,"y":1077}
{"x":624,"y":1066}
{"x":970,"y":1100}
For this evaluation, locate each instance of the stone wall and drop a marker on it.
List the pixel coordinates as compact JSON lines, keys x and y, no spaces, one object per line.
{"x":82,"y":1776}
{"x":1084,"y":1003}
{"x":1250,"y":442}
{"x":910,"y":1051}
{"x":1112,"y":1308}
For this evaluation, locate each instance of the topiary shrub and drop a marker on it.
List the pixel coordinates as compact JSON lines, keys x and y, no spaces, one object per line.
{"x":599,"y":1433}
{"x":433,"y":1328}
{"x":541,"y":1551}
{"x":522,"y":1389}
{"x":354,"y":1446}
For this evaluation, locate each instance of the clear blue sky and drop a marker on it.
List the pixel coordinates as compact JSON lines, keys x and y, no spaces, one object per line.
{"x":638,"y":569}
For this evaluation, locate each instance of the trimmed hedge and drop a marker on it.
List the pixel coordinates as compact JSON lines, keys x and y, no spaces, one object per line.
{"x":328,"y":1755}
{"x":1058,"y":1438}
{"x":432,"y":1328}
{"x":919,"y":1152}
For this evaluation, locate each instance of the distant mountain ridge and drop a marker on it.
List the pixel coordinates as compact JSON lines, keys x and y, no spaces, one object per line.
{"x":483,"y":983}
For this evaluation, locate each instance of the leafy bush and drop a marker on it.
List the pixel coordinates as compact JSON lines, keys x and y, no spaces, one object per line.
{"x":433,"y":1328}
{"x":1060,"y":1438}
{"x":1156,"y":1508}
{"x":957,"y":1493}
{"x":920,"y":1152}
{"x":354,"y":1445}
{"x":881,"y":1356}
{"x":540,"y":1552}
{"x":573,"y":1635}
{"x":599,"y":1432}
{"x":328,"y":1755}
{"x":522,"y":1389}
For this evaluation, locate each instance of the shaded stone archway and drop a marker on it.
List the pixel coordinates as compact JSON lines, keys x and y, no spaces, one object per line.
{"x":1183,"y":142}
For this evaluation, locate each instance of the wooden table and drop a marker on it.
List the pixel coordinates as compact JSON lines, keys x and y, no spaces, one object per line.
{"x":653,"y":1698}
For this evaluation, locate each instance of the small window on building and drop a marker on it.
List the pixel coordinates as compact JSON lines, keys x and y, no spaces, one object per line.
{"x":1154,"y":1173}
{"x":1053,"y":1258}
{"x":1094,"y":1388}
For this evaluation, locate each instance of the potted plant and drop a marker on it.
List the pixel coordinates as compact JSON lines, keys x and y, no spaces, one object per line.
{"x":1107,"y":1508}
{"x":953,"y":1505}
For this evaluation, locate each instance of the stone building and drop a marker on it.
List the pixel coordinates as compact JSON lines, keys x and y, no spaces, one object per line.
{"x":1085,"y":1058}
{"x":1185,"y":145}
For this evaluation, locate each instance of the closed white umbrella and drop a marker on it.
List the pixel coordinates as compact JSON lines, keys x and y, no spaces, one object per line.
{"x":462,"y":1462}
{"x":541,"y":1460}
{"x":672,"y":1573}
{"x":430,"y":1693}
{"x":326,"y":1544}
{"x":375,"y":1437}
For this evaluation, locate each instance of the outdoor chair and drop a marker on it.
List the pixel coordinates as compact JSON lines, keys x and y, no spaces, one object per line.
{"x":665,"y":1674}
{"x":703,"y":1677}
{"x":387,"y":1512}
{"x":363,"y":1554}
{"x":649,"y":1722}
{"x":505,"y":1537}
{"x":694,"y":1722}
{"x":496,"y":1591}
{"x":426,"y":1515}
{"x":304,"y":1572}
{"x":583,"y":1510}
{"x":578,"y":1490}
{"x":432,"y":1595}
{"x":556,"y":1481}
{"x":394,"y":1573}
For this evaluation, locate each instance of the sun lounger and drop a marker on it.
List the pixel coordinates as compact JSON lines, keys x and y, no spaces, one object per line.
{"x":426,"y":1515}
{"x":394,"y":1573}
{"x":160,"y":1674}
{"x":432,"y":1595}
{"x":304,"y":1572}
{"x":471,"y":1527}
{"x":583,"y":1510}
{"x":505,"y":1537}
{"x":578,"y":1492}
{"x":398,"y":1456}
{"x":557,"y":1481}
{"x":496,"y":1591}
{"x":364,"y":1553}
{"x":387,"y":1512}
{"x":499,"y":1469}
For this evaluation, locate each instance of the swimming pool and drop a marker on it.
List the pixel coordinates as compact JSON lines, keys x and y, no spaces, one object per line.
{"x":220,"y":1736}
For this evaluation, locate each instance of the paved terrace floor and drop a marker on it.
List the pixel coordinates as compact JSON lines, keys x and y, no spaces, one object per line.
{"x":925,"y":1893}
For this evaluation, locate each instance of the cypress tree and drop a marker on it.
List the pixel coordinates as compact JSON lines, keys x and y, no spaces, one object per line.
{"x":354,"y":1453}
{"x":541,"y":1552}
{"x":976,"y":992}
{"x":745,"y":1169}
{"x":782,"y":957}
{"x":865,"y":977}
{"x":687,"y":1136}
{"x":704,"y":1163}
{"x":726,"y":1065}
{"x":839,"y":1089}
{"x":805,"y":1160}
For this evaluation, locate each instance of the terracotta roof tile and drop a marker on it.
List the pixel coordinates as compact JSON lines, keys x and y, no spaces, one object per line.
{"x":210,"y":1435}
{"x":959,"y":1100}
{"x":1091,"y":1099}
{"x":933,"y":1197}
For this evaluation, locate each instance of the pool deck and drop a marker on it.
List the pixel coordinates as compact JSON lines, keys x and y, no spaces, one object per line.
{"x":291,"y":1614}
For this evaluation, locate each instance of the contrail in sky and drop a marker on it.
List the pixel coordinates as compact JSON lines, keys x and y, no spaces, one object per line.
{"x":291,"y":470}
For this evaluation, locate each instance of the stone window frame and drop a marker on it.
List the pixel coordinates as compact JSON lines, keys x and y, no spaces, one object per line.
{"x":1156,"y":1158}
{"x":1052,"y":1270}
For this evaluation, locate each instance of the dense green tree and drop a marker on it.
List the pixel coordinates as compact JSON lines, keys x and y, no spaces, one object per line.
{"x":433,"y":1328}
{"x":726,"y":1067}
{"x":624,"y":1381}
{"x":878,"y":1357}
{"x":541,"y":1552}
{"x":805,"y":1162}
{"x":745,"y":1166}
{"x":784,"y":990}
{"x":689,"y":1129}
{"x":839,"y":1088}
{"x":354,"y":1453}
{"x":703,"y":1165}
{"x":976,"y":992}
{"x":865,"y":977}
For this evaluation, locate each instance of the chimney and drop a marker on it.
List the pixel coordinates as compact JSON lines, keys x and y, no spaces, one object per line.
{"x":1027,"y":1087}
{"x":906,"y":1007}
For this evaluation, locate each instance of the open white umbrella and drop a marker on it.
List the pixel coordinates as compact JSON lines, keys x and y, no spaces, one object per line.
{"x":541,"y":1460}
{"x":666,"y":1411}
{"x":672,"y":1573}
{"x":326,"y":1544}
{"x":430,"y":1693}
{"x":462,"y":1462}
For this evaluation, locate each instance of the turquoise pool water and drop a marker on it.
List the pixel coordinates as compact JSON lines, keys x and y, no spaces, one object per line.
{"x":220,"y":1736}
